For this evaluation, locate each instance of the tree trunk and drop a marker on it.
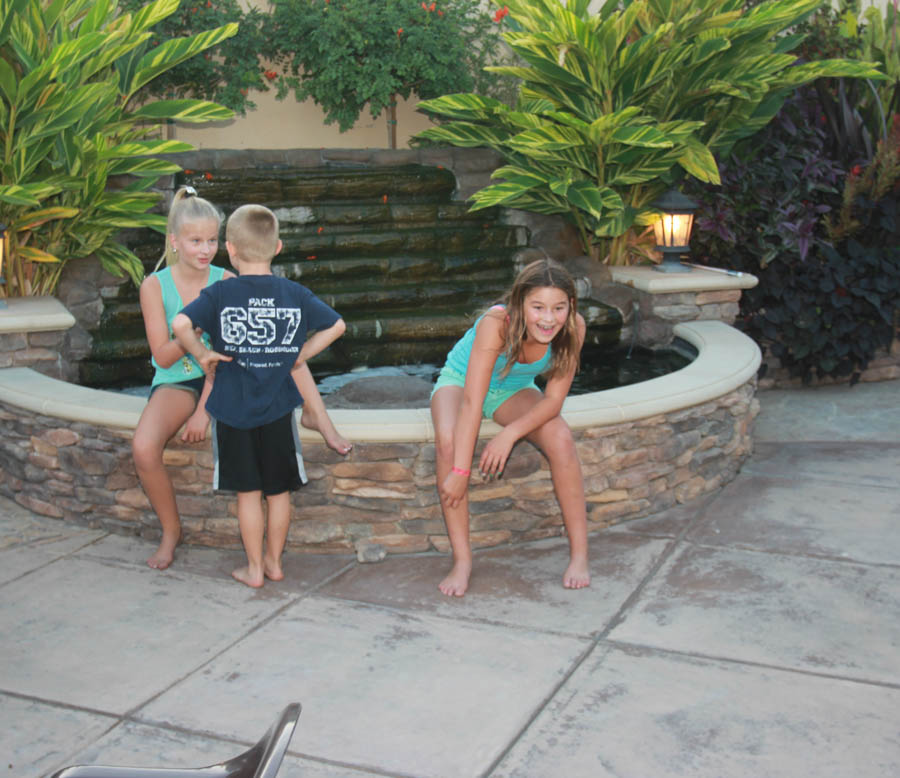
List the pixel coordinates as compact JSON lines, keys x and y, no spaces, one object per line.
{"x":392,"y":123}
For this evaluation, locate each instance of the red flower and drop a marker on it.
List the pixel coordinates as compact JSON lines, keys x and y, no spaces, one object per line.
{"x":498,"y":17}
{"x":432,"y":7}
{"x":855,"y":170}
{"x":424,"y":7}
{"x":209,"y":3}
{"x":384,"y":199}
{"x":440,"y":13}
{"x":318,"y":231}
{"x":399,"y":32}
{"x":311,"y":256}
{"x":187,"y":172}
{"x":271,"y":75}
{"x":208,"y":176}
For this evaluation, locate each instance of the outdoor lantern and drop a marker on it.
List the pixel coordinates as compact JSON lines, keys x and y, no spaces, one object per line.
{"x":3,"y":254}
{"x":673,"y":230}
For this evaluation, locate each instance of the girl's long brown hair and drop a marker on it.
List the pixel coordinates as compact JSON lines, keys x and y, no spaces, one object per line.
{"x":538,"y":274}
{"x":186,"y":208}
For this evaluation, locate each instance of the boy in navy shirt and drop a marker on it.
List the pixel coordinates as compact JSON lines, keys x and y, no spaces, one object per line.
{"x":258,"y":323}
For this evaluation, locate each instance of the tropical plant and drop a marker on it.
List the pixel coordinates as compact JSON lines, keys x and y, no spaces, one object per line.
{"x":879,"y":42}
{"x":76,"y":150}
{"x":225,"y":74}
{"x":857,"y":111}
{"x":348,"y":56}
{"x":616,"y":106}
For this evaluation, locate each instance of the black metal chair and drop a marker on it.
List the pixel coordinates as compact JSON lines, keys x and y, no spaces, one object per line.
{"x":261,"y":761}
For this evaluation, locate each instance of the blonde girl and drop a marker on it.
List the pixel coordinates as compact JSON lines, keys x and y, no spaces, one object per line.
{"x":179,"y":389}
{"x":490,"y":372}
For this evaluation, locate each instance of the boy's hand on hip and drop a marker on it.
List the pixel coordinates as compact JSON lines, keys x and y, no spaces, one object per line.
{"x":210,"y":360}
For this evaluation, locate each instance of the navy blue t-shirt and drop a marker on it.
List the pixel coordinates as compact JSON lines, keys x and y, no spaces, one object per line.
{"x":261,"y":322}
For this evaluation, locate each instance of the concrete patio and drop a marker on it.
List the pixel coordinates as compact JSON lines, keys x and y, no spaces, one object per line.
{"x":754,"y":633}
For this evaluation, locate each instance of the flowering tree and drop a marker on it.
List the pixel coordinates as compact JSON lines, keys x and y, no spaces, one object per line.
{"x":347,"y":55}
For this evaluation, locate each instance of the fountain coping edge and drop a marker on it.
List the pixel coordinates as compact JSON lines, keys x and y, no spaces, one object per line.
{"x":726,"y":360}
{"x":699,"y":279}
{"x":34,"y":314}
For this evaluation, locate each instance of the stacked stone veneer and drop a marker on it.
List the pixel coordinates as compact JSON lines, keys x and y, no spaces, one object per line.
{"x":38,"y":350}
{"x":383,"y":496}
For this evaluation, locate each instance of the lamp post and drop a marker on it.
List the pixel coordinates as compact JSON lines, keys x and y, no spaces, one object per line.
{"x":3,"y":255}
{"x":673,"y":230}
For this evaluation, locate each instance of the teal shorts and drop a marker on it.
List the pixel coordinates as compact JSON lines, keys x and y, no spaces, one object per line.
{"x":492,"y":401}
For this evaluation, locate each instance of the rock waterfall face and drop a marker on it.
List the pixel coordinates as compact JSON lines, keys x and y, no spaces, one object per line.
{"x":406,"y":265}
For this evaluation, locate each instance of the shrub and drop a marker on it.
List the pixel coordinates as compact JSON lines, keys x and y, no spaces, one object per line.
{"x":808,"y":209}
{"x":350,"y":55}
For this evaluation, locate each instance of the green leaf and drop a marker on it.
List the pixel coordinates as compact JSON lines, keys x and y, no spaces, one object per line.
{"x":34,"y":254}
{"x":144,"y":148}
{"x":191,"y":111}
{"x":648,"y":137}
{"x":465,"y":135}
{"x":8,"y":81}
{"x":595,"y":200}
{"x":171,"y":52}
{"x":699,"y":161}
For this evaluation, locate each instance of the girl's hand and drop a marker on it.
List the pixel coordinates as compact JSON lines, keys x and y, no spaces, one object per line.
{"x":195,"y":427}
{"x":454,"y":488}
{"x":495,"y":453}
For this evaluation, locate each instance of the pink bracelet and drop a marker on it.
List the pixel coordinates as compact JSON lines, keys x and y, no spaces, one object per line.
{"x":460,"y":471}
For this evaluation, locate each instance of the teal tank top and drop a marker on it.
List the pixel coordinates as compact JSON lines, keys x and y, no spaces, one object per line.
{"x":520,"y":376}
{"x":185,"y":368}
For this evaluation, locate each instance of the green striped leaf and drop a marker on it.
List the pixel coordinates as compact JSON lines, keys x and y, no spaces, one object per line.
{"x":190,"y":111}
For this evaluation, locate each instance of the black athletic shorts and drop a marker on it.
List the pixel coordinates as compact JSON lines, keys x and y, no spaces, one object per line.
{"x":266,"y":458}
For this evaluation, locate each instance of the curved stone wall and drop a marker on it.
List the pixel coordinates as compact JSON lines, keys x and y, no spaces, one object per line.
{"x":66,"y":453}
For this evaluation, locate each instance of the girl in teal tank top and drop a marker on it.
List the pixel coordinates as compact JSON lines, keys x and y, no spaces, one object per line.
{"x":191,"y":244}
{"x":490,"y":372}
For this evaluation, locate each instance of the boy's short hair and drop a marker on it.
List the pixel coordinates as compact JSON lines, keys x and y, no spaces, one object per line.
{"x":253,"y":231}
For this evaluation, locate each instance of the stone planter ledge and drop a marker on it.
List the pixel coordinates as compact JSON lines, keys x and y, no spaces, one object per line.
{"x":726,"y":360}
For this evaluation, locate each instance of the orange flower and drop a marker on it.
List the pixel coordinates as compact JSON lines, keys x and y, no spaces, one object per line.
{"x":187,"y":172}
{"x":498,"y":17}
{"x":384,"y":199}
{"x":440,"y":13}
{"x":208,"y":176}
{"x":271,"y":75}
{"x":432,"y":7}
{"x":424,"y":7}
{"x":319,"y":231}
{"x":311,"y":256}
{"x":399,"y":32}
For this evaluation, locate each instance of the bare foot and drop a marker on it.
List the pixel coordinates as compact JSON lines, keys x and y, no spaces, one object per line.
{"x":326,"y":429}
{"x":244,"y":575}
{"x":577,"y":575}
{"x":272,"y":570}
{"x":457,"y":580}
{"x":164,"y":555}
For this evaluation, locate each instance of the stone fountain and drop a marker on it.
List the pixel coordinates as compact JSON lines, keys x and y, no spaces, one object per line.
{"x":65,"y":451}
